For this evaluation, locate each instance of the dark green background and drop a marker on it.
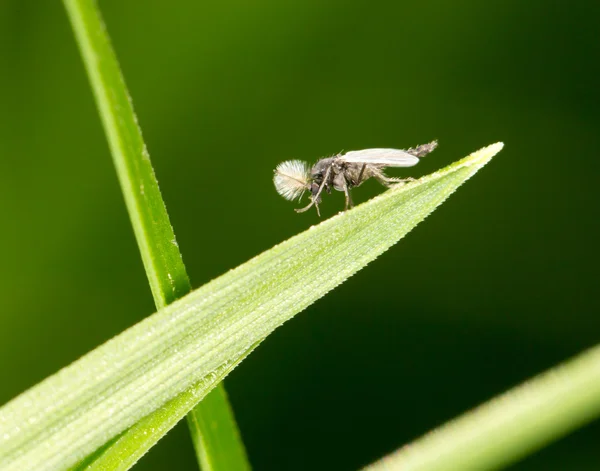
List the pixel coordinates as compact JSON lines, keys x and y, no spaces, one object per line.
{"x":497,"y":285}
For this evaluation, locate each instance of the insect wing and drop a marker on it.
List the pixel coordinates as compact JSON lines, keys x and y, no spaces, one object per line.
{"x":387,"y":157}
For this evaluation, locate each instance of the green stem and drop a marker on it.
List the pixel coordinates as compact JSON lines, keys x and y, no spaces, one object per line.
{"x":207,"y":429}
{"x":161,"y":257}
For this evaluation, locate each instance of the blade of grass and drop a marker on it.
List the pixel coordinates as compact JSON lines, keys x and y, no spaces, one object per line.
{"x":221,"y":447}
{"x":510,"y":426}
{"x":122,"y":452}
{"x":65,"y":418}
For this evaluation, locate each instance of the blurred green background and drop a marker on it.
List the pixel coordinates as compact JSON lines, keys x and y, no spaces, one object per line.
{"x":499,"y":284}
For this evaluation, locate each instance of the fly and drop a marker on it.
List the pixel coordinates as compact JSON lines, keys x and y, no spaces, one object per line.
{"x":344,"y":172}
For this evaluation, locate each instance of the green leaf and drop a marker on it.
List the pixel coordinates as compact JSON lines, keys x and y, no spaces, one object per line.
{"x":160,"y":254}
{"x":510,"y":426}
{"x":220,"y":448}
{"x":122,"y":452}
{"x":69,"y":415}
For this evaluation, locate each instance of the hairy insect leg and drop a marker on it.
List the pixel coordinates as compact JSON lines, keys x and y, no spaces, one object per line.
{"x":349,"y":203}
{"x":314,"y":198}
{"x":360,"y":175}
{"x":423,"y":149}
{"x":306,"y":208}
{"x":389,"y":181}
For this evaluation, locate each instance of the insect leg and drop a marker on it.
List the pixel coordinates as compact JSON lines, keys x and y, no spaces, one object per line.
{"x":423,"y":149}
{"x":388,"y":181}
{"x":315,"y":197}
{"x":360,"y":175}
{"x":347,"y":194}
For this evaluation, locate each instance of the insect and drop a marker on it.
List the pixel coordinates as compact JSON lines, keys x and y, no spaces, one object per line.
{"x":343,"y":172}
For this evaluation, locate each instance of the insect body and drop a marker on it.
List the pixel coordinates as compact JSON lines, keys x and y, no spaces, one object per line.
{"x":344,"y":172}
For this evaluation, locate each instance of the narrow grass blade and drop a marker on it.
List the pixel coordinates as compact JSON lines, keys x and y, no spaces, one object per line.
{"x":69,"y":415}
{"x":156,"y":239}
{"x":207,"y":429}
{"x":160,"y":254}
{"x":123,"y":451}
{"x":511,"y":426}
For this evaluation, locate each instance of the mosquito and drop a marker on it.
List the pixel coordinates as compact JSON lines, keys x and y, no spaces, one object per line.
{"x":343,"y":172}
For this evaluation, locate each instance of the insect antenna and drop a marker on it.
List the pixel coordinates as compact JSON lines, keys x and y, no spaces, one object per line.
{"x":291,"y":179}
